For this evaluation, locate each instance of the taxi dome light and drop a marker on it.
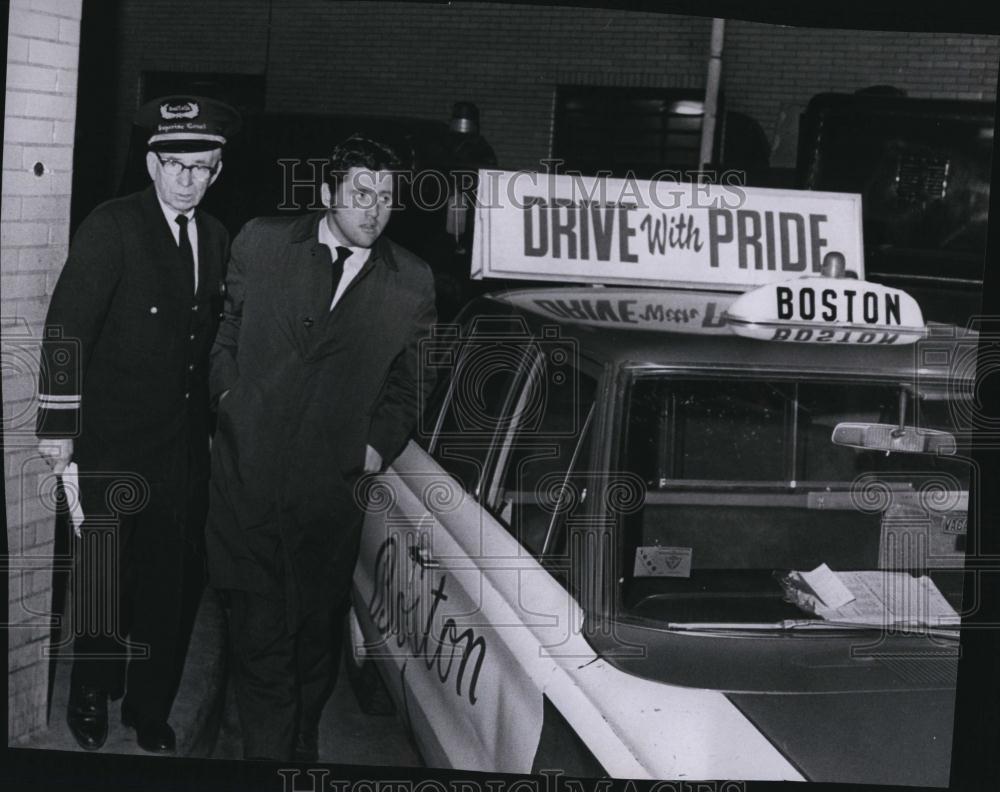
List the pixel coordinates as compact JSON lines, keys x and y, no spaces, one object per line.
{"x":827,"y":310}
{"x":835,"y":266}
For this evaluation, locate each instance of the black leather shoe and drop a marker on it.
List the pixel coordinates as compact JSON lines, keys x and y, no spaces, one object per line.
{"x":153,"y":736}
{"x":87,"y":716}
{"x":307,"y":746}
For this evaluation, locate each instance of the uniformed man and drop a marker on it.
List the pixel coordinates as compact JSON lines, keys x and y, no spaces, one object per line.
{"x":124,"y":395}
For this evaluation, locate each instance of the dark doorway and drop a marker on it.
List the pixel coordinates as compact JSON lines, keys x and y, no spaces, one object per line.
{"x":627,"y":131}
{"x":643,"y":131}
{"x":94,"y":177}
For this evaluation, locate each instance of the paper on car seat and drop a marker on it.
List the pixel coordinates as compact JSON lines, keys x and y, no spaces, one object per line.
{"x":824,"y":583}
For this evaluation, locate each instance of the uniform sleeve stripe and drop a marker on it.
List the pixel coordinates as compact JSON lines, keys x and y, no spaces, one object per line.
{"x":47,"y":399}
{"x":60,"y":406}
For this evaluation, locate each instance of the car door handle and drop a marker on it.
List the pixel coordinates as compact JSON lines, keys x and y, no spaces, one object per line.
{"x":420,"y":556}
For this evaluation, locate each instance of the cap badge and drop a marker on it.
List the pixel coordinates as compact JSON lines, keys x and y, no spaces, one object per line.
{"x":182,"y":110}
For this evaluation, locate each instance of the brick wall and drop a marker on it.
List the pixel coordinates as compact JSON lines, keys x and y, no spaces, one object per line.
{"x":42,"y":54}
{"x":508,"y":59}
{"x":416,"y":59}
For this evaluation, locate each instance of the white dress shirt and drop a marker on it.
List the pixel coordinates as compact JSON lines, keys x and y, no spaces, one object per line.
{"x":171,"y":215}
{"x":352,"y":266}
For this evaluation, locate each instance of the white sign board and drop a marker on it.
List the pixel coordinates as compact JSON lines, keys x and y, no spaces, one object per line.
{"x":582,"y":229}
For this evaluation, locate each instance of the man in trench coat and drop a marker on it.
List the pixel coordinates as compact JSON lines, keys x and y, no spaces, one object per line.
{"x":316,"y":368}
{"x":123,"y":393}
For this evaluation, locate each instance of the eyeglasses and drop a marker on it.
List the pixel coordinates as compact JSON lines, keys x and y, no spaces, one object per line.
{"x":200,"y":173}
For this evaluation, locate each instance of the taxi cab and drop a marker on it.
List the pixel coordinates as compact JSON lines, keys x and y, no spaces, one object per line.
{"x":678,"y":534}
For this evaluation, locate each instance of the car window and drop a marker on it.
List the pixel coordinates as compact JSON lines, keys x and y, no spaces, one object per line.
{"x":744,"y":484}
{"x":748,"y":432}
{"x":437,"y":361}
{"x":539,"y":482}
{"x":482,"y":367}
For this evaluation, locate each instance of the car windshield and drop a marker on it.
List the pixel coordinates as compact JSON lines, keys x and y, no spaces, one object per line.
{"x":753,"y":516}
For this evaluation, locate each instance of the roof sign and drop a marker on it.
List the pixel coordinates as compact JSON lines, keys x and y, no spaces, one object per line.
{"x":582,"y":229}
{"x":827,"y":310}
{"x":691,"y":312}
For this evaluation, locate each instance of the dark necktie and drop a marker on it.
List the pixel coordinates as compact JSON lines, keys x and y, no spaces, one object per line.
{"x":337,"y":270}
{"x":187,"y":254}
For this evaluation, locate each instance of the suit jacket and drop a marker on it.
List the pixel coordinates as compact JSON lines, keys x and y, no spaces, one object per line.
{"x":308,"y":389}
{"x":125,"y":354}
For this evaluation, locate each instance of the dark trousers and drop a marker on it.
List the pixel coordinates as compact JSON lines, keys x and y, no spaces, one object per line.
{"x":138,"y":579}
{"x":286,"y":637}
{"x":284,"y":672}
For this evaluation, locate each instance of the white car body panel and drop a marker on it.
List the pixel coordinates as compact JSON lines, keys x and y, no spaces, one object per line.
{"x":533,"y":646}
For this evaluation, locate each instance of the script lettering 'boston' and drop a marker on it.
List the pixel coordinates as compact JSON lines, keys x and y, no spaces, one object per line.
{"x":406,"y":606}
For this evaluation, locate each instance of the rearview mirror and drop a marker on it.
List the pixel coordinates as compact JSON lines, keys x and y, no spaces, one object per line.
{"x":889,"y":437}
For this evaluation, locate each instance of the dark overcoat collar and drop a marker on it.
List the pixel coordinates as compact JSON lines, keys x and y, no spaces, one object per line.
{"x":306,"y":229}
{"x":307,"y":318}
